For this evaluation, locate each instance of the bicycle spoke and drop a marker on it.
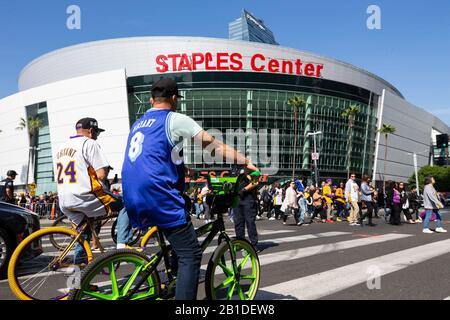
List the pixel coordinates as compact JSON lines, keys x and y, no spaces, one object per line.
{"x":131,"y":280}
{"x":97,"y":295}
{"x":230,"y":291}
{"x":225,"y":269}
{"x":225,"y":283}
{"x":243,"y":263}
{"x":114,"y":285}
{"x":248,"y":277}
{"x":240,"y":292}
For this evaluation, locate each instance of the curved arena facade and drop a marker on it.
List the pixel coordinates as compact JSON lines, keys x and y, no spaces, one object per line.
{"x":235,"y":88}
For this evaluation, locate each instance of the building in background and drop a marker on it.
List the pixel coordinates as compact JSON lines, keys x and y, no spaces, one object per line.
{"x":249,"y":28}
{"x":226,"y":85}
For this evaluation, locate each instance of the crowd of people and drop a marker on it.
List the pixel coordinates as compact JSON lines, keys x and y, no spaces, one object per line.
{"x":356,"y":203}
{"x":40,"y":204}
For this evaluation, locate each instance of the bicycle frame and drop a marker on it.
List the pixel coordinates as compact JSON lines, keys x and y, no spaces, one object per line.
{"x":212,"y":229}
{"x":81,"y":229}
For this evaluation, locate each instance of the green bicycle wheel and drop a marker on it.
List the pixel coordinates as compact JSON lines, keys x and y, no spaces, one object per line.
{"x":112,"y":275}
{"x":222,"y":282}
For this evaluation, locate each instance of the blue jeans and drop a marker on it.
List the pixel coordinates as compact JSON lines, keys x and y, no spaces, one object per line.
{"x":124,"y":230}
{"x":429,"y":212}
{"x":198,"y":209}
{"x":185,"y":244}
{"x":302,"y":210}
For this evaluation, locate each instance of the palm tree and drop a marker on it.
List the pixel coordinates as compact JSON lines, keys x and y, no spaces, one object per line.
{"x":386,"y":129}
{"x":32,"y":124}
{"x":296,"y":103}
{"x":350,"y":114}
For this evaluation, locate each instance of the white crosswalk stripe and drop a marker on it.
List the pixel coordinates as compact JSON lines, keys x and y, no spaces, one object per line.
{"x":322,"y":284}
{"x":288,"y":255}
{"x":281,"y":247}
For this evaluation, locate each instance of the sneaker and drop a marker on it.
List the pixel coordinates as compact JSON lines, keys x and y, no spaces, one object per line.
{"x":272,"y":218}
{"x":338,"y":219}
{"x":284,"y":223}
{"x":258,"y":217}
{"x":329,"y":221}
{"x":440,"y":230}
{"x":300,"y":223}
{"x":427,"y":231}
{"x":419,"y":220}
{"x":231,"y":220}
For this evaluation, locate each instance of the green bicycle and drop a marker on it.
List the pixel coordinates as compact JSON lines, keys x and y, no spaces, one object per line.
{"x":233,"y":270}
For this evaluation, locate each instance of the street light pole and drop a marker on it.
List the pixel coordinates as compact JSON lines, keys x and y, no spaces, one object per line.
{"x":316,"y":171}
{"x":416,"y":173}
{"x":414,"y":154}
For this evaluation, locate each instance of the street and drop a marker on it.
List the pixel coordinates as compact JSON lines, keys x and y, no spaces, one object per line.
{"x":336,"y":261}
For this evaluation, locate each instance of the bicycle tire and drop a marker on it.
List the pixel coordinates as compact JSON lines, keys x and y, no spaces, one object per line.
{"x":233,"y":280}
{"x":147,"y":236}
{"x":107,"y":260}
{"x":58,"y":223}
{"x":134,"y":239}
{"x":13,"y":272}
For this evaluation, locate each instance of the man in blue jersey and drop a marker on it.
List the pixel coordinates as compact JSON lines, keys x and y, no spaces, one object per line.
{"x":153,"y":178}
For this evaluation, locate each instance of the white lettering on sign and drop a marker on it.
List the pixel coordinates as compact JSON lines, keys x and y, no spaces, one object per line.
{"x":235,"y":61}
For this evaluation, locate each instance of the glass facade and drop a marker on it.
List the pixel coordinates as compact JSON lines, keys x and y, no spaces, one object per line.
{"x":249,"y":28}
{"x":42,"y":157}
{"x":257,"y":101}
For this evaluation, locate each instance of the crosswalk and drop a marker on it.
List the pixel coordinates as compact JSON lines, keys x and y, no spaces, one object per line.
{"x":295,"y":246}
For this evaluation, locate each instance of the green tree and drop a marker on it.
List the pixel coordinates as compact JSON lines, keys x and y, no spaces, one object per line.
{"x":32,"y":125}
{"x":441,"y":174}
{"x":296,"y":103}
{"x":386,"y":129}
{"x":350,"y":114}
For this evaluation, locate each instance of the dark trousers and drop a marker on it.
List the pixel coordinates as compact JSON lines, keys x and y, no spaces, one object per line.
{"x":407,"y":214}
{"x":267,"y":207}
{"x":278,"y":212}
{"x":369,"y":212}
{"x":185,"y":244}
{"x":395,"y":214}
{"x":340,"y":208}
{"x":415,"y":209}
{"x":318,"y":211}
{"x":245,"y":215}
{"x":289,"y":211}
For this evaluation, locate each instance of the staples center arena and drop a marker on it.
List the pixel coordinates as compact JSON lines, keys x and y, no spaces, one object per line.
{"x":226,"y":84}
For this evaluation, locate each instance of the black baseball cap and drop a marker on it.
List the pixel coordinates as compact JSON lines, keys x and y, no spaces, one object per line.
{"x":88,"y":123}
{"x":166,"y":87}
{"x":11,"y":173}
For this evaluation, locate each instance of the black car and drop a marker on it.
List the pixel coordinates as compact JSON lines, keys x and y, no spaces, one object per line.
{"x":16,"y":224}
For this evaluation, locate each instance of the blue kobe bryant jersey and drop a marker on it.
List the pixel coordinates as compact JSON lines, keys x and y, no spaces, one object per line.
{"x":153,"y":184}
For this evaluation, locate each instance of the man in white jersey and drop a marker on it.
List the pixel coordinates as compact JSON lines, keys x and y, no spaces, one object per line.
{"x":81,"y":174}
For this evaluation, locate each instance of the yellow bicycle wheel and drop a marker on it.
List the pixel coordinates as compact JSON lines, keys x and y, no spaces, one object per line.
{"x":36,"y":270}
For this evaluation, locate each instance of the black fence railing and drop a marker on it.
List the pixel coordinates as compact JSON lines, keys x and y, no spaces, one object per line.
{"x":45,"y":210}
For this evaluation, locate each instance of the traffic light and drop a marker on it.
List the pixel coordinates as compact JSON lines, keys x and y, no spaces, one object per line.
{"x":442,"y":141}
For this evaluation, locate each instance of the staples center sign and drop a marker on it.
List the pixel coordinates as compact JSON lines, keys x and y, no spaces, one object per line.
{"x":226,"y":61}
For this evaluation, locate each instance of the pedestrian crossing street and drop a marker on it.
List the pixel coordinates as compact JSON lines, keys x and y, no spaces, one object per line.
{"x":322,"y":261}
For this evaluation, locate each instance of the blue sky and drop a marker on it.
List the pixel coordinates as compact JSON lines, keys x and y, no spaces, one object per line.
{"x":411,"y":51}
